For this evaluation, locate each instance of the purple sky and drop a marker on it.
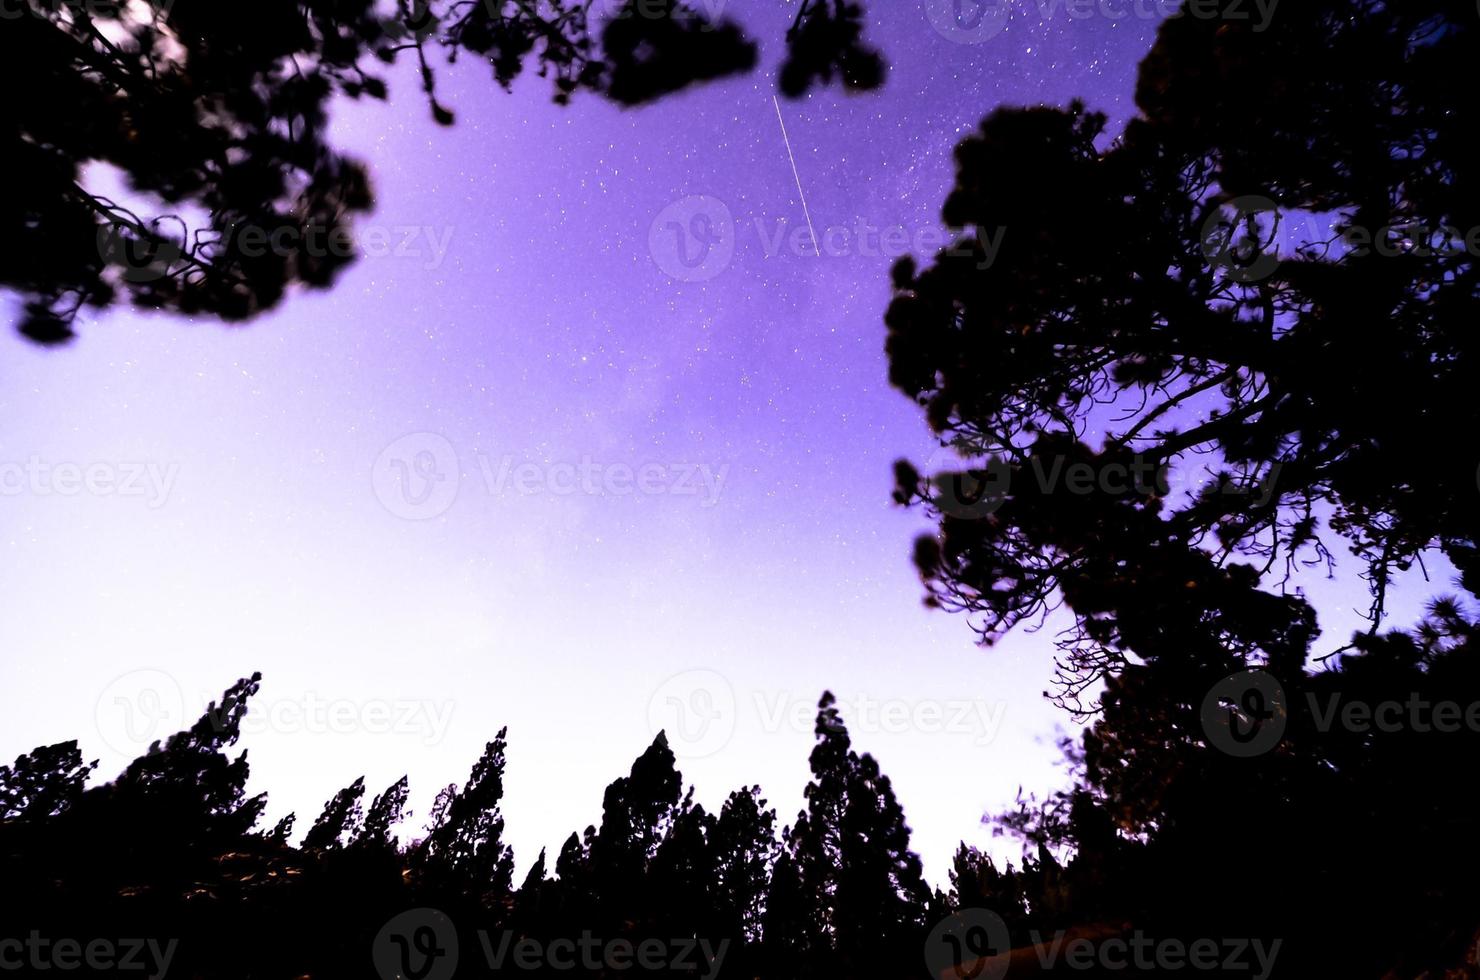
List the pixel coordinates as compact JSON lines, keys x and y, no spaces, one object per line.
{"x":534,"y":339}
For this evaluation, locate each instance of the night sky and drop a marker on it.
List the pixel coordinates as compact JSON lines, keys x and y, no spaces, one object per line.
{"x":535,"y":346}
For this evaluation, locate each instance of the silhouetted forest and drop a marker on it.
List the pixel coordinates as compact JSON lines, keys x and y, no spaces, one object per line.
{"x":172,"y":849}
{"x":1241,"y":788}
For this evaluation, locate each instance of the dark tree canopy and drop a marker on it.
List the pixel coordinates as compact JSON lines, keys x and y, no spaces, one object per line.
{"x":385,"y":814}
{"x":177,"y":853}
{"x":1170,"y":304}
{"x":465,"y":839}
{"x":215,"y":112}
{"x":340,"y":820}
{"x":43,"y":783}
{"x":1128,"y":321}
{"x":827,"y":40}
{"x":863,"y":899}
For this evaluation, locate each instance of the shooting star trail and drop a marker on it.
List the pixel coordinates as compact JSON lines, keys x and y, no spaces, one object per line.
{"x":792,"y":157}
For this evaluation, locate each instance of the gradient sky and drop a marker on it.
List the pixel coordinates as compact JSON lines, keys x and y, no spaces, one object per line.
{"x":396,"y":637}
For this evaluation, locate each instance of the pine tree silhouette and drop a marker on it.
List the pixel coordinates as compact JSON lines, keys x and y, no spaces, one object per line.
{"x":466,"y":843}
{"x":385,"y":813}
{"x":341,"y":819}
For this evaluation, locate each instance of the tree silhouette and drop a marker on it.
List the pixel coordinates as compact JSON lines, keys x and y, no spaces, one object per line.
{"x":385,"y":814}
{"x":1281,"y":847}
{"x":1212,"y":352}
{"x":188,"y":780}
{"x":1178,"y":357}
{"x":651,"y":56}
{"x":863,"y":898}
{"x":465,"y":842}
{"x":789,"y":948}
{"x":220,"y":110}
{"x":341,"y":819}
{"x":44,"y":783}
{"x":825,"y":40}
{"x":745,"y":847}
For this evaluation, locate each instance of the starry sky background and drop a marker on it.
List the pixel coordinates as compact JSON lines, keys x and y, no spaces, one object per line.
{"x":548,"y":334}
